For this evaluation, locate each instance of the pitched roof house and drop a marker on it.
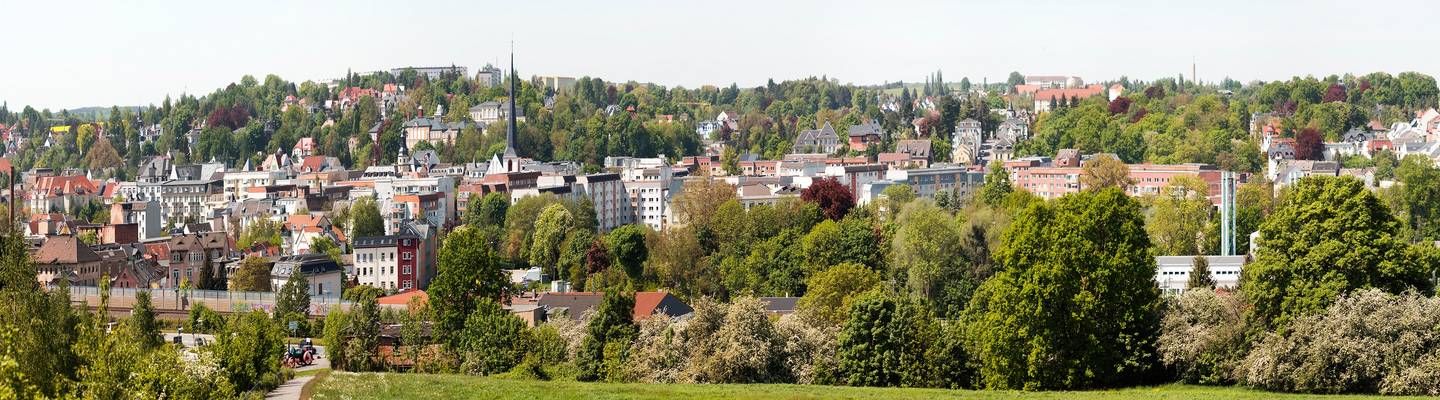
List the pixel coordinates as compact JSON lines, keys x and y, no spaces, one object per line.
{"x":823,"y":140}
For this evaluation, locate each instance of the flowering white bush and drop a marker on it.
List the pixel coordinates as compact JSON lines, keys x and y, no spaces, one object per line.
{"x":1203,"y":337}
{"x":1369,"y":341}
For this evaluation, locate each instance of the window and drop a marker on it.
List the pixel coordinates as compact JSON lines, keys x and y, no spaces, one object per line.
{"x":409,"y":256}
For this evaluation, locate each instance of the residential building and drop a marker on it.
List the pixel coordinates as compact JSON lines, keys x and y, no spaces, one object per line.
{"x":61,"y":193}
{"x":1044,"y":97}
{"x":432,"y":73}
{"x":432,"y":129}
{"x":863,"y":135}
{"x":187,"y":253}
{"x":394,"y":262}
{"x":495,"y":111}
{"x":145,"y":215}
{"x":966,"y":142}
{"x":322,"y":274}
{"x":67,"y":258}
{"x":556,"y":84}
{"x":823,"y":140}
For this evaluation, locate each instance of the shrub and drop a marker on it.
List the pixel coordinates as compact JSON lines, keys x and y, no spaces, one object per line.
{"x":1202,"y":337}
{"x":203,"y":320}
{"x":809,"y":349}
{"x":1369,"y":341}
{"x":719,"y":343}
{"x":607,"y":339}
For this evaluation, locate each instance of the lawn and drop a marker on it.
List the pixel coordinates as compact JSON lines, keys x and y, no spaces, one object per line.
{"x":341,"y":385}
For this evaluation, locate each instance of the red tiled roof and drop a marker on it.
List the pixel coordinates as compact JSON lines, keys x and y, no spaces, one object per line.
{"x":403,"y":298}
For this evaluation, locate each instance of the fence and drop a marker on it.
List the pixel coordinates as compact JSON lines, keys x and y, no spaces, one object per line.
{"x":219,"y":300}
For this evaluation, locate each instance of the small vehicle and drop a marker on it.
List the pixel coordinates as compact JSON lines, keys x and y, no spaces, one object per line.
{"x":297,"y":356}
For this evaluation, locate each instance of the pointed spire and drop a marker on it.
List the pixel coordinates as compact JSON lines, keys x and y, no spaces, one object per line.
{"x":510,"y":125}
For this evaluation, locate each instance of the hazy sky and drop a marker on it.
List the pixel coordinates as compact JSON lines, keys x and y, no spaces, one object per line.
{"x":61,"y":54}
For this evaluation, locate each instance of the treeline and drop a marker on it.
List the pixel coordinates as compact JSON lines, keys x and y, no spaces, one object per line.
{"x":1002,"y":291}
{"x":51,"y":349}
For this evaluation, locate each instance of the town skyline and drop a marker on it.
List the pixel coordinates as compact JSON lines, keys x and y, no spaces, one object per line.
{"x":170,"y":49}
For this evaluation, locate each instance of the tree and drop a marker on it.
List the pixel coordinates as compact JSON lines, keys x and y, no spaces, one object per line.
{"x":924,"y":253}
{"x":469,"y":272}
{"x":249,"y":349}
{"x":1310,"y":145}
{"x":1328,"y":237}
{"x":262,"y":232}
{"x":627,"y":244}
{"x":833,"y":198}
{"x":1203,"y":336}
{"x":1104,"y":172}
{"x":1200,"y":274}
{"x":1015,"y":78}
{"x":607,"y":336}
{"x":699,"y":200}
{"x":294,"y":296}
{"x":325,"y":245}
{"x":142,"y":324}
{"x":885,"y":342}
{"x":360,"y":347}
{"x":549,"y":234}
{"x":1075,"y":303}
{"x":253,"y":276}
{"x":1179,"y":217}
{"x":997,"y":185}
{"x":1419,"y":193}
{"x":365,"y":218}
{"x":489,"y":211}
{"x":494,"y":340}
{"x":831,"y":292}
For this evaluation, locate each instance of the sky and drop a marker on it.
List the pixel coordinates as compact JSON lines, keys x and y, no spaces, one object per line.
{"x":68,"y":54}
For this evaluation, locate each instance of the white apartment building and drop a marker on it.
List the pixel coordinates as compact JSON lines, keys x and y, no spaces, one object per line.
{"x":1172,"y":273}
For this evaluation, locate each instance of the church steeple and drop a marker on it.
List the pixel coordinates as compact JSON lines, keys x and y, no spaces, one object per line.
{"x":510,"y":125}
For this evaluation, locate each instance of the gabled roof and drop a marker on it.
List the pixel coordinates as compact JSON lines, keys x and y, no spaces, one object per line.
{"x":816,"y":135}
{"x":865,"y":129}
{"x":915,"y":147}
{"x":64,"y":250}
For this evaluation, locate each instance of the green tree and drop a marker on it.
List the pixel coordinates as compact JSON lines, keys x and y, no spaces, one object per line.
{"x":607,"y":336}
{"x":1179,"y":217}
{"x":997,"y":185}
{"x":294,"y":296}
{"x":360,"y":348}
{"x":627,"y":245}
{"x":1075,"y":303}
{"x":263,"y":231}
{"x":549,"y":234}
{"x":252,"y":276}
{"x":469,"y":272}
{"x":365,"y":218}
{"x":1328,"y":237}
{"x":1200,"y":274}
{"x":488,"y":211}
{"x":494,"y":340}
{"x":142,"y":324}
{"x":924,"y":253}
{"x":325,"y":245}
{"x":249,"y":349}
{"x":830,"y":293}
{"x":886,"y":342}
{"x":1420,"y":194}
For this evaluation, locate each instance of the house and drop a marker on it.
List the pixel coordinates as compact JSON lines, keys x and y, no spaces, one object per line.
{"x":1172,"y":273}
{"x":1044,"y":97}
{"x":435,"y":130}
{"x":188,"y":253}
{"x":61,"y":193}
{"x":823,"y":140}
{"x":573,"y":305}
{"x":863,"y":135}
{"x":966,"y":142}
{"x":322,"y":273}
{"x":908,"y":154}
{"x":495,"y":111}
{"x":304,"y":147}
{"x":398,"y":262}
{"x":145,"y":215}
{"x":67,"y":258}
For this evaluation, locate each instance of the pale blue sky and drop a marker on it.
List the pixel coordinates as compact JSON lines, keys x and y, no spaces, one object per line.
{"x":67,"y":54}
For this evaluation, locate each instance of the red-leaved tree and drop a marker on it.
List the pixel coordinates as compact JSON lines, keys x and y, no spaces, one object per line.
{"x":1309,"y":145}
{"x":833,"y":198}
{"x":1120,"y":105}
{"x":1334,"y":93}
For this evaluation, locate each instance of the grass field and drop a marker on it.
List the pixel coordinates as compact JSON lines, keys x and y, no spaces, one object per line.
{"x":341,"y":385}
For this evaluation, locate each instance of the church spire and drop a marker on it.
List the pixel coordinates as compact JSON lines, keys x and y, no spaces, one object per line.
{"x":510,"y":125}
